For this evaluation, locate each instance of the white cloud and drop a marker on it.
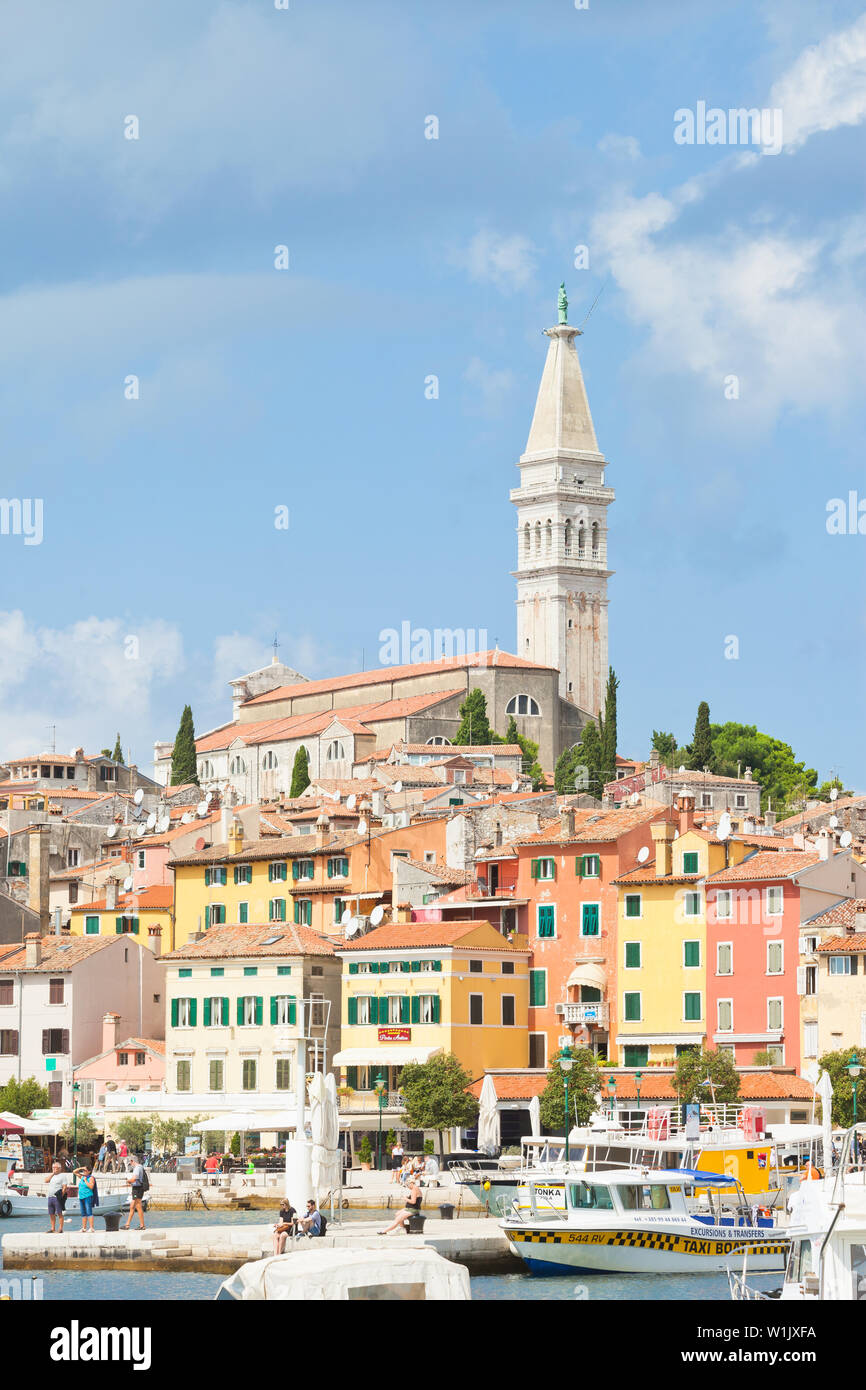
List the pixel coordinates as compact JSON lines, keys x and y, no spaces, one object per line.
{"x":508,"y":262}
{"x":619,"y":146}
{"x":825,"y":87}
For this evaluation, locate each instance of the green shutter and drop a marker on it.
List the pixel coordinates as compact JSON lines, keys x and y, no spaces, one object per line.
{"x":240,"y":1010}
{"x":378,"y":1007}
{"x":207,"y":878}
{"x":174,"y":1008}
{"x":437,"y":965}
{"x":632,"y":1008}
{"x":578,"y":865}
{"x":118,"y":925}
{"x":225,"y":1013}
{"x":589,"y":919}
{"x":207,"y":1013}
{"x":192,"y":1012}
{"x":135,"y":925}
{"x":692,"y":953}
{"x":91,"y":926}
{"x":353,"y":967}
{"x":352,"y":1077}
{"x":293,"y":1012}
{"x":538,"y":988}
{"x":405,"y":967}
{"x":632,"y":955}
{"x":243,"y":913}
{"x":405,"y":1009}
{"x":353,"y":1009}
{"x":436,"y":1013}
{"x":259,"y":1011}
{"x":416,"y":966}
{"x":374,"y":967}
{"x":416,"y":1008}
{"x":533,"y":868}
{"x":295,"y":869}
{"x":273,"y":1009}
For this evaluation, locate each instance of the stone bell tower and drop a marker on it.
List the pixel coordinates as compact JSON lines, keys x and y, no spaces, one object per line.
{"x":562,"y":507}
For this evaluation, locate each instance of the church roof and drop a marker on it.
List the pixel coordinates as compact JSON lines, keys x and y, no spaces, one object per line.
{"x":562,"y":419}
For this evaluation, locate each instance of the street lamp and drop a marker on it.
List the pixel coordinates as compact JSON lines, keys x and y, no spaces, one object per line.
{"x":854,"y":1069}
{"x":76,"y":1087}
{"x":638,"y":1078}
{"x":566,"y":1062}
{"x":611,"y":1090}
{"x":381,"y":1090}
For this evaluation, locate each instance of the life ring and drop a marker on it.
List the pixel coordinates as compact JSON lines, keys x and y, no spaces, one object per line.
{"x":5,"y":1207}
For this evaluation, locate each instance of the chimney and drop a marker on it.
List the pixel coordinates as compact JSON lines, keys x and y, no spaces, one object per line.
{"x":655,"y":758}
{"x":111,"y":894}
{"x":38,"y":854}
{"x":748,"y":774}
{"x":110,"y":1026}
{"x":323,"y":830}
{"x":235,"y":835}
{"x":686,"y":809}
{"x":566,"y":821}
{"x":378,"y":800}
{"x":32,"y":950}
{"x":860,"y":922}
{"x":769,"y":819}
{"x":154,"y":940}
{"x":824,"y":845}
{"x":663,"y":834}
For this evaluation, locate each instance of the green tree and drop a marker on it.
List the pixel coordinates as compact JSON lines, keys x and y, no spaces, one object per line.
{"x":169,"y":1134}
{"x":701,"y":752}
{"x":474,"y":727}
{"x":135,"y":1132}
{"x":300,"y":772}
{"x":783,"y":780}
{"x":117,"y":755}
{"x":365,"y":1150}
{"x":436,"y":1096}
{"x":693,"y":1068}
{"x":836,"y":1063}
{"x":582,"y":770}
{"x":584,"y":1082}
{"x":822,"y":793}
{"x":23,"y":1097}
{"x":183,"y":762}
{"x":390,"y":1141}
{"x":106,"y":752}
{"x":235,"y":1145}
{"x":762,"y":1058}
{"x":665,"y":745}
{"x":530,"y":764}
{"x":84,"y":1132}
{"x":607,"y":728}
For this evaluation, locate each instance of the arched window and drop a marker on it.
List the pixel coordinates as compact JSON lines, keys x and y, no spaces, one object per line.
{"x":438,"y":739}
{"x":270,"y":762}
{"x":522,"y":704}
{"x":526,"y":541}
{"x":206,"y":769}
{"x":538,"y":537}
{"x":595,"y":540}
{"x":336,"y":752}
{"x":568,"y":537}
{"x":549,"y":535}
{"x":237,"y":767}
{"x":581,"y":540}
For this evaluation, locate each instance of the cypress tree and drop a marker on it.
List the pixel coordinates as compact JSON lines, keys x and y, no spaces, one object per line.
{"x":183,"y":762}
{"x":117,"y":755}
{"x":474,"y":727}
{"x":702,"y":744}
{"x":585,"y":756}
{"x":300,"y":772}
{"x":607,"y":728}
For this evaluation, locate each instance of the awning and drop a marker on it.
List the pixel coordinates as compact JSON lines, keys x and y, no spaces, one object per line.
{"x":587,"y":975}
{"x":395,"y":1056}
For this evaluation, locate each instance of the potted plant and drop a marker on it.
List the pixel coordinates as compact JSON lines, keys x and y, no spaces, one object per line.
{"x":365,"y":1154}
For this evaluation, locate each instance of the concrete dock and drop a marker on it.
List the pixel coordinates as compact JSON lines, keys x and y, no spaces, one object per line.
{"x":221,"y":1249}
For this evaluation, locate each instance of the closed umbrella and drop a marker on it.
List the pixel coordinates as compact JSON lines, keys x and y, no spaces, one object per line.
{"x":489,"y":1134}
{"x":825,"y":1092}
{"x":325,"y":1125}
{"x":535,"y":1117}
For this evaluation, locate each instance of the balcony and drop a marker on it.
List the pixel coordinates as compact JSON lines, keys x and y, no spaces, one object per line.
{"x":585,"y":1015}
{"x":367,"y":1102}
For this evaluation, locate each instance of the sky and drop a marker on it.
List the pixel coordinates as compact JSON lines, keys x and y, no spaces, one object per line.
{"x":168,"y":389}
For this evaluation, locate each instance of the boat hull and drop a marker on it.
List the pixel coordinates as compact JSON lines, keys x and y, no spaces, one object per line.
{"x":552,"y":1250}
{"x":38,"y":1206}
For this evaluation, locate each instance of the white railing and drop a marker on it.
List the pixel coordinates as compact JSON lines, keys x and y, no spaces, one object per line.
{"x":594,"y":1014}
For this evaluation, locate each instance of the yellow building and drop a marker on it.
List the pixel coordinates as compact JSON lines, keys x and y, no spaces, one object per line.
{"x":148,"y":915}
{"x":661,"y":967}
{"x":413,"y":989}
{"x":839,"y":988}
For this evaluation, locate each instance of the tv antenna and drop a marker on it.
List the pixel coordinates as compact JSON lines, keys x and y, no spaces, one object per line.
{"x":593,"y":304}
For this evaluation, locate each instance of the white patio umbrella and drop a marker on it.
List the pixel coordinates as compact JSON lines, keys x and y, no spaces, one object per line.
{"x":824,"y":1090}
{"x":245,"y":1120}
{"x":325,"y":1124}
{"x":28,"y":1126}
{"x":489,"y":1133}
{"x":535,"y":1117}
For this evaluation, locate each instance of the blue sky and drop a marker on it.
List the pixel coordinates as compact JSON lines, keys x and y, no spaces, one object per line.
{"x":305,"y":387}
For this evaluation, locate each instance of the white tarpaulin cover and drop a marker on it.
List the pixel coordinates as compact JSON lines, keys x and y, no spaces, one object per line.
{"x":394,"y":1056}
{"x":489,"y":1133}
{"x":244,"y":1121}
{"x":311,"y":1274}
{"x":325,"y":1125}
{"x":535,"y":1117}
{"x":825,"y":1092}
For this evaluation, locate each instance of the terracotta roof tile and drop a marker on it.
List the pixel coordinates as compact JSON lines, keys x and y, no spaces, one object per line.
{"x":392,"y":673}
{"x":841,"y":914}
{"x":766,"y":864}
{"x":58,"y":953}
{"x":593,"y":826}
{"x":157,"y":898}
{"x":400,"y":935}
{"x":222,"y":942}
{"x":853,"y":941}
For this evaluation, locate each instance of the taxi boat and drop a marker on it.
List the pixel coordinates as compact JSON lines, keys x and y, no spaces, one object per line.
{"x":640,"y":1221}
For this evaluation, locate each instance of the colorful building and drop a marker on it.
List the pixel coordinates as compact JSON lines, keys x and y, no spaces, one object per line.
{"x":840,"y":991}
{"x":147,"y":915}
{"x":126,"y":1067}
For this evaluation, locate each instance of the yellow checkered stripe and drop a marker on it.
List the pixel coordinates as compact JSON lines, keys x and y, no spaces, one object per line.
{"x":649,"y":1240}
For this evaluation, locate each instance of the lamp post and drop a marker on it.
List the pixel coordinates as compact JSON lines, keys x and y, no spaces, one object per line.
{"x":566,"y":1062}
{"x":854,"y":1069}
{"x":638,"y":1078}
{"x":381,"y":1089}
{"x":75,"y":1092}
{"x":611,"y":1090}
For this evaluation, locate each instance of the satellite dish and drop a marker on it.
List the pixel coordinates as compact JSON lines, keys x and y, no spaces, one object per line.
{"x":135,"y":812}
{"x":634,"y":798}
{"x":723,"y":829}
{"x":151,"y":820}
{"x":642,"y":855}
{"x":845,"y":838}
{"x":201,"y":808}
{"x":139,"y":797}
{"x":397,"y":787}
{"x":335,"y":796}
{"x":346,"y":917}
{"x":362,"y":827}
{"x":186,"y":818}
{"x":834,"y":792}
{"x":351,"y":802}
{"x":127,"y":884}
{"x":163,"y":823}
{"x":834,"y":821}
{"x":376,"y":915}
{"x":682,"y":767}
{"x":200,"y":842}
{"x":515,"y":786}
{"x":111,"y":832}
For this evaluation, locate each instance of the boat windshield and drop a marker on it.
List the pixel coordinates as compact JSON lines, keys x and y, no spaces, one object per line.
{"x":799,"y":1261}
{"x":644,"y":1197}
{"x":585,"y":1197}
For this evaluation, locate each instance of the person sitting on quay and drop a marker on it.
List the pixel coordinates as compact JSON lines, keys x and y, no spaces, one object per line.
{"x":412,"y":1207}
{"x":286,"y":1225}
{"x":311,"y":1223}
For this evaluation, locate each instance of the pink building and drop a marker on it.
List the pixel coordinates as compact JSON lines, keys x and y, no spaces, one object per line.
{"x":135,"y":1064}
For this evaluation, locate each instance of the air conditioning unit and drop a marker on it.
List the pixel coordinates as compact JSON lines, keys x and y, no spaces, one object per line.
{"x":559,"y":1010}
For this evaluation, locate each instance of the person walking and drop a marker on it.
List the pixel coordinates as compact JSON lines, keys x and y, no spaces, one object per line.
{"x":396,"y":1161}
{"x":123,"y":1153}
{"x":86,"y":1184}
{"x":136,"y":1181}
{"x":56,"y":1181}
{"x":412,"y":1207}
{"x":99,"y":1165}
{"x":110,"y":1156}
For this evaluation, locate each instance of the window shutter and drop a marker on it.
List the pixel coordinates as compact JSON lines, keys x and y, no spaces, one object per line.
{"x":64,"y":1040}
{"x":353,"y":1009}
{"x":405,"y":967}
{"x":135,"y":925}
{"x":352,"y":1077}
{"x":435,"y":1008}
{"x":437,"y":965}
{"x":240,"y":1010}
{"x":174,"y":1008}
{"x":374,"y":967}
{"x":295,"y":867}
{"x":44,"y":1042}
{"x":192,"y":1012}
{"x":118,"y":925}
{"x":416,"y":965}
{"x":243,"y":913}
{"x":854,"y":965}
{"x":416,"y":1008}
{"x":273,"y":1008}
{"x":384,"y":967}
{"x":293,"y":1012}
{"x":259,"y":1011}
{"x":225,"y":1013}
{"x":405,"y":1009}
{"x":353,"y":967}
{"x":207,"y":1013}
{"x":14,"y":1037}
{"x":801,"y":979}
{"x":533,"y":868}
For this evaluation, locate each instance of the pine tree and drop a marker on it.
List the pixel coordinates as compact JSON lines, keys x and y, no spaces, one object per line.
{"x":183,"y":760}
{"x":665,"y":745}
{"x":702,"y":744}
{"x":117,"y":755}
{"x":474,"y":728}
{"x":300,"y":772}
{"x":607,"y":728}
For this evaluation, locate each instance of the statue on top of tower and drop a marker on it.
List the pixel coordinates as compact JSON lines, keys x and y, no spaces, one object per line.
{"x":563,"y":304}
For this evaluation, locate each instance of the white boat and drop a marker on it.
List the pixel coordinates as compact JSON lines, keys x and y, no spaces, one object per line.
{"x":27,"y":1195}
{"x":373,"y":1275}
{"x":640,"y":1221}
{"x":827,"y":1259}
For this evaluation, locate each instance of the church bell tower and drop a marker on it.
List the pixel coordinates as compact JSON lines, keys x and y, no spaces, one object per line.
{"x":562,"y":504}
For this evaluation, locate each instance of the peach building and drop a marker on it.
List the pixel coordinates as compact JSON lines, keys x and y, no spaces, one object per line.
{"x":126,"y":1066}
